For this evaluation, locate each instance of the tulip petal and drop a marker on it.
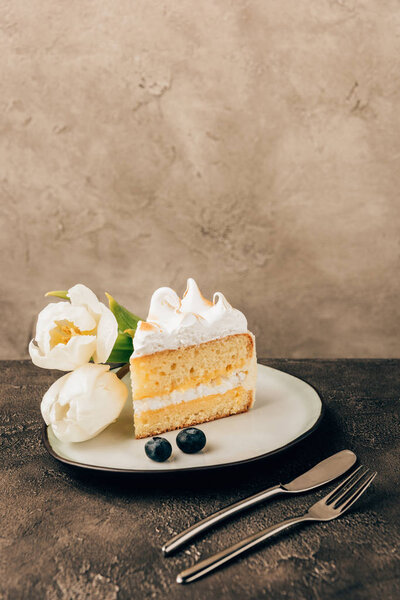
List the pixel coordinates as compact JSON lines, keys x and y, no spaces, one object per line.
{"x":96,"y":412}
{"x":107,"y":333}
{"x":80,"y":294}
{"x":46,"y":318}
{"x":47,"y":404}
{"x":64,"y":357}
{"x":61,"y":311}
{"x":83,"y":380}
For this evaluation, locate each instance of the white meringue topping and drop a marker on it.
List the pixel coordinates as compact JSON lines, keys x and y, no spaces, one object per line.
{"x":173,"y":323}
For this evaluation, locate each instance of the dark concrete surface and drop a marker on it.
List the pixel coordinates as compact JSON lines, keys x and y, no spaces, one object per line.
{"x":67,"y":533}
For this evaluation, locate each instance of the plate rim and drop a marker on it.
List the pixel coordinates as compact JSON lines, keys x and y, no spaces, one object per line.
{"x":85,"y":466}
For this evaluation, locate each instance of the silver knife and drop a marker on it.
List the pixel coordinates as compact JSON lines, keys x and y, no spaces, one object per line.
{"x":324,"y":472}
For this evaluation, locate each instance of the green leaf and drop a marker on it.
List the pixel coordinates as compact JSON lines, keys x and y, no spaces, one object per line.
{"x":122,"y":349}
{"x":123,"y":342}
{"x":59,"y":294}
{"x":119,"y":356}
{"x":125,"y":319}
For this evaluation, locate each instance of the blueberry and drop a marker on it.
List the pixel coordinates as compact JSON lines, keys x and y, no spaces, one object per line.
{"x":158,"y":449}
{"x":191,"y":440}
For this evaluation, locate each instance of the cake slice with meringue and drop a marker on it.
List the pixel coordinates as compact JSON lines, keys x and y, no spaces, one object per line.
{"x":194,"y":361}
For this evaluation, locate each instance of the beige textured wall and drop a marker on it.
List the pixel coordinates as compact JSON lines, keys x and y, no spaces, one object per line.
{"x":253,"y":145}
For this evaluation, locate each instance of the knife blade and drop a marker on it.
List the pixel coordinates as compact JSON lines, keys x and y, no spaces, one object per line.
{"x":321,"y":474}
{"x":325,"y":471}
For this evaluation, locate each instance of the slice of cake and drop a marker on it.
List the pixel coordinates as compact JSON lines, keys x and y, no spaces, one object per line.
{"x":193,"y":361}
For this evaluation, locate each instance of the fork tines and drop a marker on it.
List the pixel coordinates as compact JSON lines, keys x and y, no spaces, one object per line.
{"x":351,"y":488}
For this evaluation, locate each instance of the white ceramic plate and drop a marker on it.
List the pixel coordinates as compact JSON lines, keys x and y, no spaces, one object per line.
{"x":286,"y":410}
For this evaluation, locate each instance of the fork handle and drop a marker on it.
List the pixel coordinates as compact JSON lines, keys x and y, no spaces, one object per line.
{"x":213,"y":562}
{"x":200,"y":526}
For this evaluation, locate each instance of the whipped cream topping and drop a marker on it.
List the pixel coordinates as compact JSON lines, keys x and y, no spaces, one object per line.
{"x":173,"y":322}
{"x":221,"y":386}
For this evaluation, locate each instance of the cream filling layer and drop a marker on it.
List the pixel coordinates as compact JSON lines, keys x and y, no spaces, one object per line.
{"x":236,"y":379}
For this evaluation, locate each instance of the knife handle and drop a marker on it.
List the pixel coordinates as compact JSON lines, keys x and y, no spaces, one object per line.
{"x":186,"y":535}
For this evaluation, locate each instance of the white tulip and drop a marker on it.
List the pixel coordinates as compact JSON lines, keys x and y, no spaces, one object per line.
{"x":81,"y":404}
{"x":69,"y":334}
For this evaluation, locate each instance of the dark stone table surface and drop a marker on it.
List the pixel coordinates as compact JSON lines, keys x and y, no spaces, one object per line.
{"x":67,"y":533}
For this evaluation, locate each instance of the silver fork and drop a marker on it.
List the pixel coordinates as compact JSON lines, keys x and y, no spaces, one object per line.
{"x":331,"y":506}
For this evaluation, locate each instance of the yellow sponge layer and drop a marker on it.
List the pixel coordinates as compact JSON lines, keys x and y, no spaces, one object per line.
{"x":199,"y":410}
{"x":162,"y":372}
